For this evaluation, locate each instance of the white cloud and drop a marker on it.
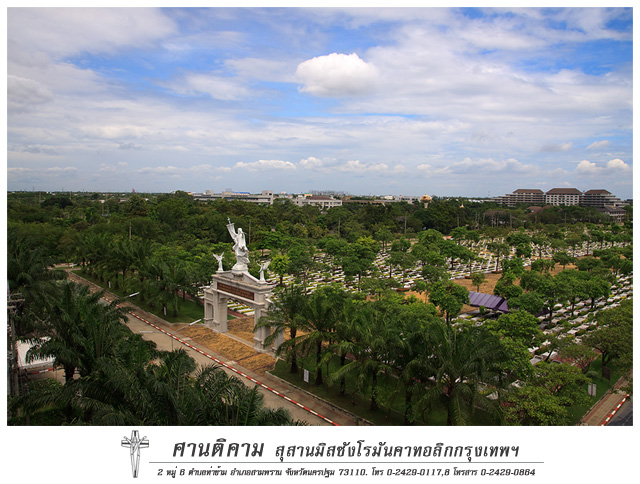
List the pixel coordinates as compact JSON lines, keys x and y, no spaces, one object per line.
{"x":69,"y":31}
{"x":129,"y":146}
{"x":356,"y":166}
{"x":159,"y":169}
{"x":587,"y":167}
{"x":596,"y":145}
{"x":266,"y":165}
{"x":618,"y":165}
{"x":483,"y":166}
{"x":17,"y":170}
{"x":58,"y":170}
{"x":337,"y":75}
{"x":104,"y":168}
{"x":556,"y":148}
{"x":613,"y":167}
{"x":218,"y":87}
{"x":116,"y":131}
{"x":312,"y":163}
{"x":447,"y":88}
{"x":23,"y":94}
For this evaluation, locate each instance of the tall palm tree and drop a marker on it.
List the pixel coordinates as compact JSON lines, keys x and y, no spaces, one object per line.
{"x":316,"y":324}
{"x":29,"y":270}
{"x":165,"y":281}
{"x":285,"y":314}
{"x":375,"y":346}
{"x":460,"y":369}
{"x":168,"y":391}
{"x":78,"y":329}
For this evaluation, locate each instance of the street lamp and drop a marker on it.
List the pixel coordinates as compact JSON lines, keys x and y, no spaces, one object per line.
{"x":190,"y":324}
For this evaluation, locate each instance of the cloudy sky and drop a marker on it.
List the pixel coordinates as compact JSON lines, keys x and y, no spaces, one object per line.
{"x":471,"y":102}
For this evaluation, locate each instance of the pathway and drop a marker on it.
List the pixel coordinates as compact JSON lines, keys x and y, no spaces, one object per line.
{"x":300,"y":404}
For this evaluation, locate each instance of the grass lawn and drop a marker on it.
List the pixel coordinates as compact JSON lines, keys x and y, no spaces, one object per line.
{"x":602,"y":385}
{"x":188,"y":311}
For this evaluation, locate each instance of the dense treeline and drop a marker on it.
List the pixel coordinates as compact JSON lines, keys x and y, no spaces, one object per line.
{"x":57,"y":222}
{"x":371,"y":340}
{"x":401,"y":355}
{"x":112,"y":376}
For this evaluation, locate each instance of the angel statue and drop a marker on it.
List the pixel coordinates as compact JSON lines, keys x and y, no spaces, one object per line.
{"x":239,"y":247}
{"x":219,"y":259}
{"x":263,"y":267}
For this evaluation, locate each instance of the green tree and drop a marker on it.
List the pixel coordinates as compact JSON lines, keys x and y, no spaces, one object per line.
{"x":449,"y":297}
{"x":574,"y":287}
{"x":77,"y":329}
{"x":285,"y":314}
{"x":477,"y":279}
{"x":376,"y":336}
{"x":613,"y":337}
{"x":460,"y":368}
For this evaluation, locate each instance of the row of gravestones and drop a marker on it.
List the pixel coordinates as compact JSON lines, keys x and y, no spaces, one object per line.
{"x":319,"y":278}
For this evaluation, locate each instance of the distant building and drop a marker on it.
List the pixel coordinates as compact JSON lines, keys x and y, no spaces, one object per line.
{"x":530,"y":196}
{"x":617,"y":214}
{"x":264,"y":198}
{"x":323,"y":201}
{"x":563,"y":196}
{"x":381,"y":200}
{"x":560,"y":196}
{"x":600,"y":198}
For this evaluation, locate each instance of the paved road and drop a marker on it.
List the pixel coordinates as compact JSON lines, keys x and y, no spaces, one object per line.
{"x":166,"y":342}
{"x":624,"y":416}
{"x":608,"y":406}
{"x":277,"y":393}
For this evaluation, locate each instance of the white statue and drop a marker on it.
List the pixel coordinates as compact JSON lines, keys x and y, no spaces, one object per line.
{"x":263,"y":267}
{"x":240,"y":248}
{"x":219,"y":259}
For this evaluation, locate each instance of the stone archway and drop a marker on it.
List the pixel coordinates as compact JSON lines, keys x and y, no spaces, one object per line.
{"x":243,"y":287}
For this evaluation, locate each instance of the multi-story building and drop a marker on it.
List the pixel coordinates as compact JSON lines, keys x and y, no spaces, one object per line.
{"x":600,"y":198}
{"x":530,"y":196}
{"x":563,"y":196}
{"x":560,"y":196}
{"x":264,"y":198}
{"x":323,"y":201}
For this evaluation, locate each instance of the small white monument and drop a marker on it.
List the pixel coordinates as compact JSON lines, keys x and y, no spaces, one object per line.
{"x":263,"y":267}
{"x":219,"y":259}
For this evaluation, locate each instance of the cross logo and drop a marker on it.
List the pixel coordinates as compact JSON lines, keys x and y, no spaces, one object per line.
{"x":135,"y":443}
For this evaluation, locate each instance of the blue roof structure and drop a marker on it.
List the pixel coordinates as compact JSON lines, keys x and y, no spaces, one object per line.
{"x":489,"y":301}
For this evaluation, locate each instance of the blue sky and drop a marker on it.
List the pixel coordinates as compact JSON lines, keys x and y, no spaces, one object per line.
{"x":462,"y":102}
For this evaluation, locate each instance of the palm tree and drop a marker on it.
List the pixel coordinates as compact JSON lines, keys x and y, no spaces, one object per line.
{"x":375,"y":344}
{"x":316,"y":321}
{"x":221,"y":399}
{"x":79,"y":329}
{"x":285,"y":314}
{"x":319,"y":317}
{"x":30,"y":276}
{"x":459,"y":368}
{"x":165,"y":281}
